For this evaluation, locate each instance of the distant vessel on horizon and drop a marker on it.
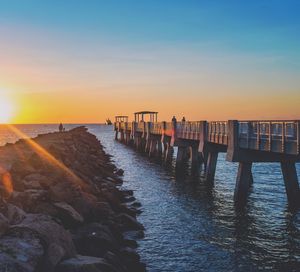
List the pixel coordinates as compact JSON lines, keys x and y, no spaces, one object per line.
{"x":108,"y":122}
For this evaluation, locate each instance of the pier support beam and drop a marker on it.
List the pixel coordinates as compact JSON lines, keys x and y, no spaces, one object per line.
{"x":147,"y":146}
{"x":159,"y":149}
{"x":243,"y":182}
{"x":152,"y":147}
{"x":181,"y":155}
{"x":169,"y":153}
{"x":122,"y":137}
{"x":116,"y":135}
{"x":127,"y":137}
{"x":196,"y":160}
{"x":291,"y":183}
{"x":211,"y":166}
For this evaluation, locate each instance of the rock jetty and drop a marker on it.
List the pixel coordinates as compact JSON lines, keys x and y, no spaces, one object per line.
{"x":62,"y":208}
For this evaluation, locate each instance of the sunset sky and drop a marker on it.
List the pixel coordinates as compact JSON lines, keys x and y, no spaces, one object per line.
{"x":77,"y":61}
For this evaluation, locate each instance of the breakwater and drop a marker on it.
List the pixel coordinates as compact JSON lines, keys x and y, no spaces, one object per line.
{"x":62,"y":208}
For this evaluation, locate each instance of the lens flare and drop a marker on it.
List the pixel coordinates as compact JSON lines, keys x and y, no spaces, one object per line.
{"x":44,"y":154}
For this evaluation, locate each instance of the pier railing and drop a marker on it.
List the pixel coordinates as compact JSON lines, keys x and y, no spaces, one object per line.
{"x":189,"y":130}
{"x":157,"y":128}
{"x":271,"y":136}
{"x":217,"y":132}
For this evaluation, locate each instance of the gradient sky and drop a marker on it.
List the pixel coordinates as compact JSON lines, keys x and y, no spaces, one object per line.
{"x":85,"y":60}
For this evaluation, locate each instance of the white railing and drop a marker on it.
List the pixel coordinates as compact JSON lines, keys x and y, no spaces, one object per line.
{"x":217,"y":132}
{"x":273,"y":136}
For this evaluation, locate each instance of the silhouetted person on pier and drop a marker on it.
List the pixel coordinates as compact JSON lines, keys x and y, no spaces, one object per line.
{"x":183,"y":119}
{"x":61,"y":127}
{"x":174,"y":119}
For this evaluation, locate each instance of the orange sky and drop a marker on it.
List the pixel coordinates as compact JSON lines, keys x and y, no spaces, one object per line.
{"x":81,"y":108}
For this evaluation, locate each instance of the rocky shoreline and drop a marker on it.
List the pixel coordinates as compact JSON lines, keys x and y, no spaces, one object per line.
{"x":62,"y":208}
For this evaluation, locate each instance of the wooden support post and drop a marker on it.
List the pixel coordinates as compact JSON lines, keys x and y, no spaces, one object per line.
{"x":195,"y":157}
{"x":152,"y":148}
{"x":180,"y":155}
{"x":291,"y":183}
{"x":211,"y":166}
{"x":243,"y":183}
{"x":122,"y":136}
{"x":137,"y":141}
{"x":159,"y":148}
{"x":116,"y":135}
{"x":147,"y":146}
{"x":251,"y":178}
{"x":169,"y":153}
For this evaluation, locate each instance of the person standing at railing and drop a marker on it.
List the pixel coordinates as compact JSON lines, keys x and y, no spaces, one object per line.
{"x":183,"y":119}
{"x":174,"y":119}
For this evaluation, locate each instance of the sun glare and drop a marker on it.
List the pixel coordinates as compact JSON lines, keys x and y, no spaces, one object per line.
{"x":6,"y":109}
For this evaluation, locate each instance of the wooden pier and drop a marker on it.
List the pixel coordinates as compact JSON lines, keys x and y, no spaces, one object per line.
{"x":245,"y":142}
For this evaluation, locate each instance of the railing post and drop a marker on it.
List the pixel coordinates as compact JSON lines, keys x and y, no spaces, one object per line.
{"x":248,"y":134}
{"x":233,"y":140}
{"x":270,"y":136}
{"x":283,"y":138}
{"x":258,"y":136}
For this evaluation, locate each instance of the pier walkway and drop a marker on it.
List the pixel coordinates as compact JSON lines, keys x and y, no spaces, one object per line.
{"x":245,"y":142}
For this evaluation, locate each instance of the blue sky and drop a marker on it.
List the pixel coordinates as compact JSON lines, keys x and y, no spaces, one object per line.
{"x":241,"y":49}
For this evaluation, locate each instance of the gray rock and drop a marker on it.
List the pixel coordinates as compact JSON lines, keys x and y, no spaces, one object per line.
{"x":95,"y":240}
{"x":3,"y":224}
{"x":31,"y":184}
{"x":85,"y":264}
{"x":127,"y":222}
{"x":29,"y":198}
{"x":56,"y":240}
{"x":14,"y":214}
{"x":20,"y":252}
{"x":68,"y":215}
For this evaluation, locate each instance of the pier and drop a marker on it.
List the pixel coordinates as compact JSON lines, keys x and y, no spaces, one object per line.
{"x":245,"y":142}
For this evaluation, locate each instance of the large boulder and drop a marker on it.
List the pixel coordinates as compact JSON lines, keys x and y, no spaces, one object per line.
{"x":68,"y":215}
{"x":64,"y":192}
{"x":34,"y":181}
{"x":94,"y":240}
{"x":57,"y":241}
{"x":21,"y":251}
{"x":87,"y":205}
{"x":14,"y":214}
{"x":3,"y":224}
{"x":28,"y":199}
{"x":85,"y":264}
{"x":128,"y":222}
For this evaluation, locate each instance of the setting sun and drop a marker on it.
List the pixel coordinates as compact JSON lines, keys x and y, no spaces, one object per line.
{"x":6,"y":109}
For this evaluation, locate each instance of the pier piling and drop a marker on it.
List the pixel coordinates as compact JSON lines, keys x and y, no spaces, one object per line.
{"x":291,"y":183}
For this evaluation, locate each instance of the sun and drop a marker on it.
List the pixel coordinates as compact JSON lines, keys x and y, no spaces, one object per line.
{"x":6,"y":109}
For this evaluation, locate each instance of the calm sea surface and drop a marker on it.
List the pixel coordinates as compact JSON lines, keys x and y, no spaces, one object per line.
{"x":191,"y":227}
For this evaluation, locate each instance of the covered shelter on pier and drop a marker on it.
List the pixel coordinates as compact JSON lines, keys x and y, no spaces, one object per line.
{"x":140,"y":116}
{"x":121,"y":118}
